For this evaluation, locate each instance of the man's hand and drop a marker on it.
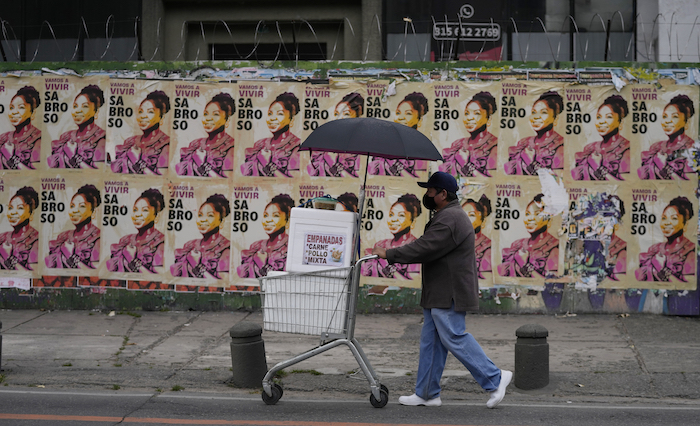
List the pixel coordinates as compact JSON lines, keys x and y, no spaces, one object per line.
{"x":379,"y":251}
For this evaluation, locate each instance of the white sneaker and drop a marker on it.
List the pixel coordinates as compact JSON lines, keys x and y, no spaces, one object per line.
{"x":498,"y":394}
{"x":417,"y":400}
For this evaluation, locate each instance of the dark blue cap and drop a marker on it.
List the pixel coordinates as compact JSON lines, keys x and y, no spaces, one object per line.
{"x":441,"y":180}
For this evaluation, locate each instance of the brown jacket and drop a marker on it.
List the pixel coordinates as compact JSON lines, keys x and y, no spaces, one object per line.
{"x":446,"y":251}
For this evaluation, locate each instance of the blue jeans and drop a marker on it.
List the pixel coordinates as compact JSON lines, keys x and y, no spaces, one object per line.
{"x":444,"y":330}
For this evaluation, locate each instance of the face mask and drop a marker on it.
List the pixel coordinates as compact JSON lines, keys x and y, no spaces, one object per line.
{"x":429,"y":202}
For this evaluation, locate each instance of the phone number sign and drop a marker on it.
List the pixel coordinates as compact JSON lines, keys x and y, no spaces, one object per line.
{"x":466,"y":31}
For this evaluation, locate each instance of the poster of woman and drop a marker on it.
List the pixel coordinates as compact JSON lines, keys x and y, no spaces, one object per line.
{"x":609,"y":158}
{"x":70,"y":225}
{"x":393,"y":216}
{"x":261,"y":232}
{"x":479,"y":202}
{"x":74,"y":130}
{"x":476,"y":154}
{"x":19,"y":227}
{"x":139,"y":127}
{"x":527,"y":248}
{"x":663,"y":127}
{"x":409,"y":106}
{"x":532,"y":110}
{"x":199,"y":238}
{"x":269,"y":127}
{"x":134,"y":219}
{"x":324,"y":103}
{"x":20,"y":123}
{"x":203,"y":136}
{"x":663,"y":252}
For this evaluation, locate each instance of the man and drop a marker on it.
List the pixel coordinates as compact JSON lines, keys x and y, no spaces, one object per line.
{"x":450,"y":289}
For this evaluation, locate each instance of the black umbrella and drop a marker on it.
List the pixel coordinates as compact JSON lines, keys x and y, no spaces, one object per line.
{"x":371,"y":136}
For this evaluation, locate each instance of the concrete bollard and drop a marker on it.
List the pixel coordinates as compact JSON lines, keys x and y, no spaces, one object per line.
{"x":531,"y":357}
{"x":247,"y":355}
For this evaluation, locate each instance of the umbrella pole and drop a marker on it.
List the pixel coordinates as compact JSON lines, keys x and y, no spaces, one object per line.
{"x":361,"y":208}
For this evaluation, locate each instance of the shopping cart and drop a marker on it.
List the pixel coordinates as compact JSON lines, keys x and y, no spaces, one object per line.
{"x":319,"y":303}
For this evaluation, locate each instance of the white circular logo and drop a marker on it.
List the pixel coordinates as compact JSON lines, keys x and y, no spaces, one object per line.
{"x":466,"y":11}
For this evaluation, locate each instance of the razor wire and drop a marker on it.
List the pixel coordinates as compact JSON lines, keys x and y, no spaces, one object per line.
{"x":662,"y":38}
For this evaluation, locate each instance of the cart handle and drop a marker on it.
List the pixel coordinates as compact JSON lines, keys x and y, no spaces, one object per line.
{"x":366,"y":258}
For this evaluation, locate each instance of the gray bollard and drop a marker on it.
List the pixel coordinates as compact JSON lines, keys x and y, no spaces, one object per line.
{"x":247,"y":355}
{"x":0,"y":347}
{"x":531,"y":357}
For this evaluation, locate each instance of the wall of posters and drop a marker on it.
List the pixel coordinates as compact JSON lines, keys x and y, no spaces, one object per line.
{"x":187,"y":185}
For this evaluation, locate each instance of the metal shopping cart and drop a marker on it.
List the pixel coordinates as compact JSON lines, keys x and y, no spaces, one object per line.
{"x":319,"y":303}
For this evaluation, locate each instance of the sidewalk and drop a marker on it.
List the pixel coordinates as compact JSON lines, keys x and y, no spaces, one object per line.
{"x":592,"y":357}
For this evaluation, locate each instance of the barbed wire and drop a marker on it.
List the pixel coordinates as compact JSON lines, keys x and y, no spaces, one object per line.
{"x":680,"y":37}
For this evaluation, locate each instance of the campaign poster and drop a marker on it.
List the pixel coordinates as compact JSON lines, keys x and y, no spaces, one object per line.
{"x":404,"y":103}
{"x":393,"y":216}
{"x":134,"y":219}
{"x":665,"y":127}
{"x":477,"y":199}
{"x":598,"y":130}
{"x":71,"y":224}
{"x":526,"y":247}
{"x":466,"y":128}
{"x":596,"y":227}
{"x":75,"y":119}
{"x":532,"y":127}
{"x":260,"y":229}
{"x":20,"y":226}
{"x":198,"y":233}
{"x":139,"y":126}
{"x":323,"y":103}
{"x":663,"y":235}
{"x":22,"y":118}
{"x":204,"y":120}
{"x":268,"y":131}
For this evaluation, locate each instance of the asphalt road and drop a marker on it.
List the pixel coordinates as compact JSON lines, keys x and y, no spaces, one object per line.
{"x":21,"y":407}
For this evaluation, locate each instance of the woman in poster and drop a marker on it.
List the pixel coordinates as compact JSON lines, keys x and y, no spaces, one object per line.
{"x":402,"y":218}
{"x":478,"y":211}
{"x":409,"y":112}
{"x":141,"y":252}
{"x":19,"y":148}
{"x":18,"y":248}
{"x":79,"y":247}
{"x":148,"y":153}
{"x":666,"y":159}
{"x":545,"y":150}
{"x":279,"y":153}
{"x":270,"y":254}
{"x":538,"y":253}
{"x":478,"y":152}
{"x":210,"y":256}
{"x":211,"y":156}
{"x":327,"y":164}
{"x":676,"y":256}
{"x":609,"y":158}
{"x":85,"y":147}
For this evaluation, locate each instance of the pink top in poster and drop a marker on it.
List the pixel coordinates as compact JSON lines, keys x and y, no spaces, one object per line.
{"x":478,"y":153}
{"x":602,"y":160}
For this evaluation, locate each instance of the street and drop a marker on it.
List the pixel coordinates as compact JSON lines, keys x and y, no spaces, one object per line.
{"x":23,"y":407}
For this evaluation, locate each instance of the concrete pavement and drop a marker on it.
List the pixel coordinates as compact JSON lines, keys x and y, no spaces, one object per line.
{"x":592,"y":357}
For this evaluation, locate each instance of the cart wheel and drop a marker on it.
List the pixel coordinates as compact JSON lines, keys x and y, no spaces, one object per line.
{"x":276,"y":395}
{"x":384,"y":397}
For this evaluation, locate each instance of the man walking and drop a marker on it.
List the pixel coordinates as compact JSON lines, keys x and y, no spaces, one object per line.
{"x":450,"y":289}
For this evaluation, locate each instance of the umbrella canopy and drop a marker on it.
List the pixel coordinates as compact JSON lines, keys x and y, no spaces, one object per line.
{"x":371,"y":136}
